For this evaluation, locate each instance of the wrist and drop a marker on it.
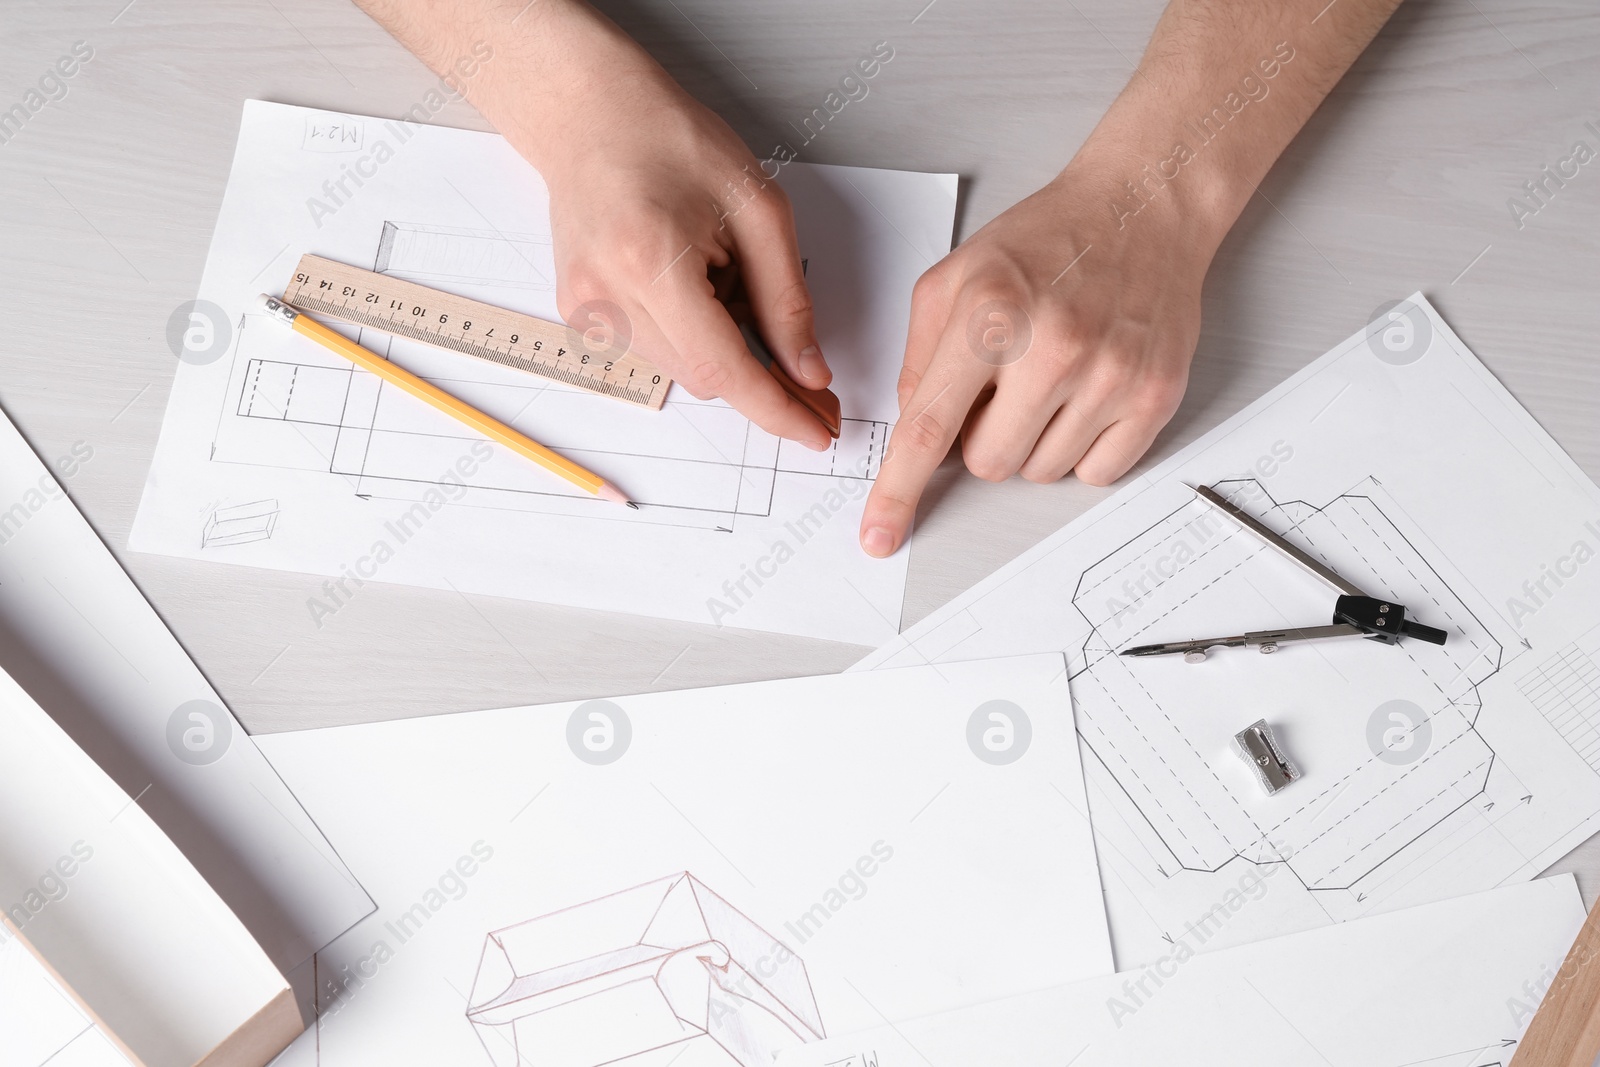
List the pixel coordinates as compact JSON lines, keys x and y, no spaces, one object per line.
{"x":1135,"y":193}
{"x":561,"y":83}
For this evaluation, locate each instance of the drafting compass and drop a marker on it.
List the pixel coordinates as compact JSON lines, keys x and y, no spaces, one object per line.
{"x":1355,"y":614}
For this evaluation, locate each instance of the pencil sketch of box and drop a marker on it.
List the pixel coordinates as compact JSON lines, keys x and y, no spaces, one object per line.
{"x":620,"y":977}
{"x":240,"y":524}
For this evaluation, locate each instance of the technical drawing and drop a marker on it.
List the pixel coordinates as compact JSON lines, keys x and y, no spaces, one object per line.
{"x":615,"y":979}
{"x":1566,"y":690}
{"x":695,"y":464}
{"x":1148,"y":727}
{"x":435,"y":255}
{"x":240,"y":524}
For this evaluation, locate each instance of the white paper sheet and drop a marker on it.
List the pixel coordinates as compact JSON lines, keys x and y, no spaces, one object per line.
{"x":276,"y":454}
{"x":849,"y":817}
{"x":1398,"y":460}
{"x":1452,"y":983}
{"x":78,"y":635}
{"x":97,"y":890}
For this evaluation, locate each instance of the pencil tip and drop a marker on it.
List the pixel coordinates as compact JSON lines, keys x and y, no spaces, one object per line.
{"x":607,"y":491}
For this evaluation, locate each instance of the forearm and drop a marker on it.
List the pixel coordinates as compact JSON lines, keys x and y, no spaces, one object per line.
{"x":1223,"y":86}
{"x":546,"y":61}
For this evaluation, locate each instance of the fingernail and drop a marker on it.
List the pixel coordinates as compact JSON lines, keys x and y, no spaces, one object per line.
{"x":812,"y":365}
{"x":819,"y":444}
{"x":878,"y":542}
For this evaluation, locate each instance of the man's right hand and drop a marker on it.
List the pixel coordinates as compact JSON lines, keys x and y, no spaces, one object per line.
{"x":648,"y":191}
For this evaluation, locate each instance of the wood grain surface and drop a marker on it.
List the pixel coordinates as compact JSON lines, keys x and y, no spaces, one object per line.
{"x":1566,"y":1031}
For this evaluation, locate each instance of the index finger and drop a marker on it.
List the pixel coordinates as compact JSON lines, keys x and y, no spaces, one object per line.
{"x":928,"y":426}
{"x":717,"y":362}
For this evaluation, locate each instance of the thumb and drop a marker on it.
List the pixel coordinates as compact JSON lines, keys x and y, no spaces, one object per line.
{"x":769,"y":259}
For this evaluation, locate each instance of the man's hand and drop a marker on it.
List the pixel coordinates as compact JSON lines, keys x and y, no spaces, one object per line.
{"x":648,"y":191}
{"x":1046,"y":346}
{"x":1058,"y":338}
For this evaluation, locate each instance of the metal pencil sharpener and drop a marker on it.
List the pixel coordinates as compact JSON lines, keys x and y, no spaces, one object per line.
{"x":1259,"y":748}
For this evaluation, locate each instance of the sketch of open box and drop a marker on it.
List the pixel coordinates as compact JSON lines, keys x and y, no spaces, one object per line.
{"x":628,"y":974}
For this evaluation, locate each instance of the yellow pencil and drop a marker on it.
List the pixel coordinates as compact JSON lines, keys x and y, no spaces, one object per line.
{"x":462,"y":412}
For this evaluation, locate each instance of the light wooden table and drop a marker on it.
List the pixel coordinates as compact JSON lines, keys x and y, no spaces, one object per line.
{"x":1400,"y":182}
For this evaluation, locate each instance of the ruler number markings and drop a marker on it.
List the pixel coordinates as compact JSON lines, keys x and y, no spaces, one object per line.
{"x":496,"y":335}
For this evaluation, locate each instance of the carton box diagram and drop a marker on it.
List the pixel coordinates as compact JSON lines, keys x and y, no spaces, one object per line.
{"x":625,"y":975}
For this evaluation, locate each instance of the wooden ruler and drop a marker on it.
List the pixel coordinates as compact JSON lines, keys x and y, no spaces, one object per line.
{"x":599,"y":364}
{"x":1566,"y":1031}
